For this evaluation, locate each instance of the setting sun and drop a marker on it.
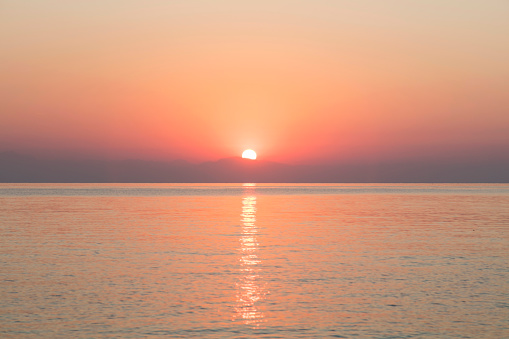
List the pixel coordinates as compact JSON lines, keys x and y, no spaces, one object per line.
{"x":249,"y":154}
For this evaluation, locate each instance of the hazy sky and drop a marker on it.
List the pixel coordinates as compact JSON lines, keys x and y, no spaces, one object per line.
{"x":298,"y":81}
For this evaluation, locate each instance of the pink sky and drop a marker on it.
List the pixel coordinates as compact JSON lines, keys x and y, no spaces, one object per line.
{"x":297,"y":81}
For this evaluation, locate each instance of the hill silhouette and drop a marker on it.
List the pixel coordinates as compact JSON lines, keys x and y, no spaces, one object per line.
{"x":15,"y":167}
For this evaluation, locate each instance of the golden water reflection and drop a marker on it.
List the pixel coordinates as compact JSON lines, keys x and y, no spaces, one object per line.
{"x":250,"y":289}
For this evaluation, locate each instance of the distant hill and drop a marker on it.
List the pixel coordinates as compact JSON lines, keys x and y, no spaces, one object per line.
{"x":16,"y":167}
{"x":21,"y":168}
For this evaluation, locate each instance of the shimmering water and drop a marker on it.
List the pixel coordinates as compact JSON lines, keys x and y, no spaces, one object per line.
{"x":239,"y":261}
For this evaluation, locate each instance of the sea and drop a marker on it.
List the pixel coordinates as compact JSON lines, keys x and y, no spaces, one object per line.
{"x":254,"y":260}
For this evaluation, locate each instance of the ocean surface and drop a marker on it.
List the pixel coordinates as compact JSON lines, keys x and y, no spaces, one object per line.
{"x":254,"y":260}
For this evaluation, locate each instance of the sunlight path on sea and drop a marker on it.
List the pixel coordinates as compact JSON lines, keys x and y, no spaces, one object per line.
{"x":250,"y":288}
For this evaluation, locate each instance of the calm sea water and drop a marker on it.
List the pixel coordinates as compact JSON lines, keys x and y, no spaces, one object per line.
{"x":240,"y":261}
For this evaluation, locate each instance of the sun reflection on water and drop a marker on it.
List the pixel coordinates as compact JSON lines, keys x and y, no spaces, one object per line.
{"x":250,"y":289}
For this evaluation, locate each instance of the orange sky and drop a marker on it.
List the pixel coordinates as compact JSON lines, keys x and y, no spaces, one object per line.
{"x":297,"y":81}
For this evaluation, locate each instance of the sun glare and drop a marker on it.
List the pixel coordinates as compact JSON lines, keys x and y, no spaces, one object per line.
{"x":249,"y":154}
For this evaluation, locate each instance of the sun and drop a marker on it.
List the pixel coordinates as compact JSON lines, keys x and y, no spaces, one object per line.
{"x":249,"y":154}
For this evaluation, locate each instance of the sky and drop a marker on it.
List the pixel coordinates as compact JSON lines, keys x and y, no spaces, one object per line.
{"x":299,"y":82}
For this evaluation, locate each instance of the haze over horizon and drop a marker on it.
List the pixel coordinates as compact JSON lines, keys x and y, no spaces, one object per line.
{"x":18,"y":168}
{"x":305,"y":83}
